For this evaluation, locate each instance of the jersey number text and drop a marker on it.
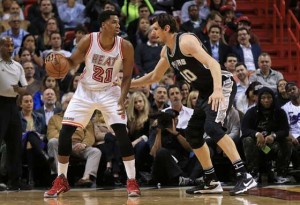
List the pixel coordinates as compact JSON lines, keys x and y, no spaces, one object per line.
{"x":101,"y":75}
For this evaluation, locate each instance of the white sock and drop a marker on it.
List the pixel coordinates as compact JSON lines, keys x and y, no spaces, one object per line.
{"x":62,"y":168}
{"x":130,"y":168}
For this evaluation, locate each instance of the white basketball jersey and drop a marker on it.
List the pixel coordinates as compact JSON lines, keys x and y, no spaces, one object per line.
{"x":293,"y":115}
{"x":101,"y":66}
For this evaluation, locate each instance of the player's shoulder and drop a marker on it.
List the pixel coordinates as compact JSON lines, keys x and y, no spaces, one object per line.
{"x":125,"y":44}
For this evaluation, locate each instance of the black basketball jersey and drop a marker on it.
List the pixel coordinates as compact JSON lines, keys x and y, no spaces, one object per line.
{"x":194,"y":72}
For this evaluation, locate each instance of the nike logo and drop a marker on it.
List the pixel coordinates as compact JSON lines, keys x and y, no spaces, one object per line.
{"x":248,"y":183}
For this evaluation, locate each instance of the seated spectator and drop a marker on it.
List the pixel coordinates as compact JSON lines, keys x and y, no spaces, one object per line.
{"x":215,"y":45}
{"x":72,"y":14}
{"x":228,"y":14}
{"x":249,"y":99}
{"x":147,"y":92}
{"x":243,"y":80}
{"x":107,"y":143}
{"x":141,"y":35}
{"x":172,"y":164}
{"x":265,"y":74}
{"x":203,"y":10}
{"x":34,"y":130}
{"x":80,"y":31}
{"x":74,"y":83}
{"x":37,"y":24}
{"x":243,"y":22}
{"x":33,"y":84}
{"x":44,"y":39}
{"x":230,"y":62}
{"x":11,"y":7}
{"x":138,"y":130}
{"x":246,"y":51}
{"x":15,"y":31}
{"x":192,"y":99}
{"x":47,"y":82}
{"x":146,"y":55}
{"x":50,"y":106}
{"x":160,"y":99}
{"x":35,"y":9}
{"x":213,"y":18}
{"x":292,"y":110}
{"x":82,"y":142}
{"x":282,"y":95}
{"x":29,"y":43}
{"x":185,"y":91}
{"x":56,"y":45}
{"x":265,"y":132}
{"x":194,"y":20}
{"x":215,"y":5}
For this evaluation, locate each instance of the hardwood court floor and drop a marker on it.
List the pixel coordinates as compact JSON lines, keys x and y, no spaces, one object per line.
{"x":271,"y":195}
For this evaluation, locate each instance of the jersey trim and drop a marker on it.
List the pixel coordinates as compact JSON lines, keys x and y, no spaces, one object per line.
{"x":67,"y":122}
{"x":91,"y":43}
{"x":121,"y":53}
{"x":99,"y":44}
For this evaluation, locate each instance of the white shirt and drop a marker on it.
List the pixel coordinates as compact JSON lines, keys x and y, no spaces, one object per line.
{"x":10,"y":74}
{"x":248,"y":57}
{"x":293,"y":115}
{"x":185,"y":115}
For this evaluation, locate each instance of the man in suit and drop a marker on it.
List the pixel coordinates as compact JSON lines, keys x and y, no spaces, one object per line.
{"x":246,"y":51}
{"x":49,"y":108}
{"x":215,"y":47}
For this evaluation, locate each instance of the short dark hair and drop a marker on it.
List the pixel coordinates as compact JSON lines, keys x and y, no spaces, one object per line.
{"x":215,"y":26}
{"x":243,"y":28}
{"x":105,"y":15}
{"x":172,"y":86}
{"x":239,"y":64}
{"x":164,"y":19}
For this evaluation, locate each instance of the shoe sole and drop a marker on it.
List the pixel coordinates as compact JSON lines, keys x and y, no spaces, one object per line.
{"x":134,"y":194}
{"x":55,"y":195}
{"x":217,"y":191}
{"x":252,"y":185}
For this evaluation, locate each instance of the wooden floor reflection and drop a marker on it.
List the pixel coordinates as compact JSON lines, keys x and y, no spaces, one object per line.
{"x":166,"y":196}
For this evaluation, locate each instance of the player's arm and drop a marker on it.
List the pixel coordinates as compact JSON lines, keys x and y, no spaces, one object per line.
{"x":128,"y":63}
{"x":155,"y":75}
{"x":190,"y":45}
{"x":80,"y":52}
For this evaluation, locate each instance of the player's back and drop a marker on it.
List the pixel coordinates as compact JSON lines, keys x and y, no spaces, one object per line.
{"x":101,"y":66}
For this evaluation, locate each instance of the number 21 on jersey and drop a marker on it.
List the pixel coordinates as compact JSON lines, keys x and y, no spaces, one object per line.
{"x":101,"y":75}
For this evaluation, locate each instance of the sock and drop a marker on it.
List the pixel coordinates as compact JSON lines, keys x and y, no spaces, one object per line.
{"x":209,"y":174}
{"x":130,"y":168}
{"x":239,"y":166}
{"x":62,"y":169}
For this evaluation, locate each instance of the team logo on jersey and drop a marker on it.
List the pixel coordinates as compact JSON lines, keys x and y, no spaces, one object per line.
{"x":177,"y":63}
{"x":104,"y":60}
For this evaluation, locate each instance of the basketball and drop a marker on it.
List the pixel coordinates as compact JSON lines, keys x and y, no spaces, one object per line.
{"x":57,"y":66}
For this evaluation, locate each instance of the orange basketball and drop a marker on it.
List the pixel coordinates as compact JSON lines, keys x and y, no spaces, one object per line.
{"x":57,"y":65}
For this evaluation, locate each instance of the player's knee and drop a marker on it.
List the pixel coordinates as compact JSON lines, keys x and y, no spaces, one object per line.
{"x":125,"y":145}
{"x":65,"y":140}
{"x":214,"y":130}
{"x":195,"y":137}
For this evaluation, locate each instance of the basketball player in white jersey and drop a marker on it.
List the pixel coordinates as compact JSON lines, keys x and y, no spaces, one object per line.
{"x":104,"y":54}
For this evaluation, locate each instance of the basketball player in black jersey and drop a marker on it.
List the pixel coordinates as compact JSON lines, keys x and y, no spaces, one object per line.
{"x":184,"y":52}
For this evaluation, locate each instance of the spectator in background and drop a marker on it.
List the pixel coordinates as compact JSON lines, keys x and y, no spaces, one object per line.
{"x":230,"y":62}
{"x":35,"y":10}
{"x":72,"y":14}
{"x":194,"y":20}
{"x":37,"y":25}
{"x":282,"y":95}
{"x":228,"y":14}
{"x":249,"y":99}
{"x":147,"y":92}
{"x":50,"y":106}
{"x":192,"y":99}
{"x":56,"y":45}
{"x":185,"y":91}
{"x":215,"y":5}
{"x":292,"y":110}
{"x":243,"y":22}
{"x":265,"y":74}
{"x":266,"y":125}
{"x":215,"y":46}
{"x":138,"y":130}
{"x":243,"y":80}
{"x":141,"y":35}
{"x":247,"y":52}
{"x":15,"y":32}
{"x":203,"y":10}
{"x":130,"y":10}
{"x":74,"y":83}
{"x":82,"y":141}
{"x":133,"y":26}
{"x":80,"y":31}
{"x":213,"y":18}
{"x":33,"y":84}
{"x":160,"y":99}
{"x":146,"y":55}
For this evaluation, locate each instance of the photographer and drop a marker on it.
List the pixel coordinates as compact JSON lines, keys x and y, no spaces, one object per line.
{"x":170,"y":150}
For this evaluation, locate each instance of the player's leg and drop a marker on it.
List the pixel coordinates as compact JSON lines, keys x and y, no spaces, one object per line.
{"x":194,"y":134}
{"x":77,"y":114}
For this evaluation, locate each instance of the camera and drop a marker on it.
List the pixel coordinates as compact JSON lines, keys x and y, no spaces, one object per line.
{"x":165,"y":118}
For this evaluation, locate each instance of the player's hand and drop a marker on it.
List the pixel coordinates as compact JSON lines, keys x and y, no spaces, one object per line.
{"x":122,"y":106}
{"x":50,"y":57}
{"x":16,"y":88}
{"x":216,"y":99}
